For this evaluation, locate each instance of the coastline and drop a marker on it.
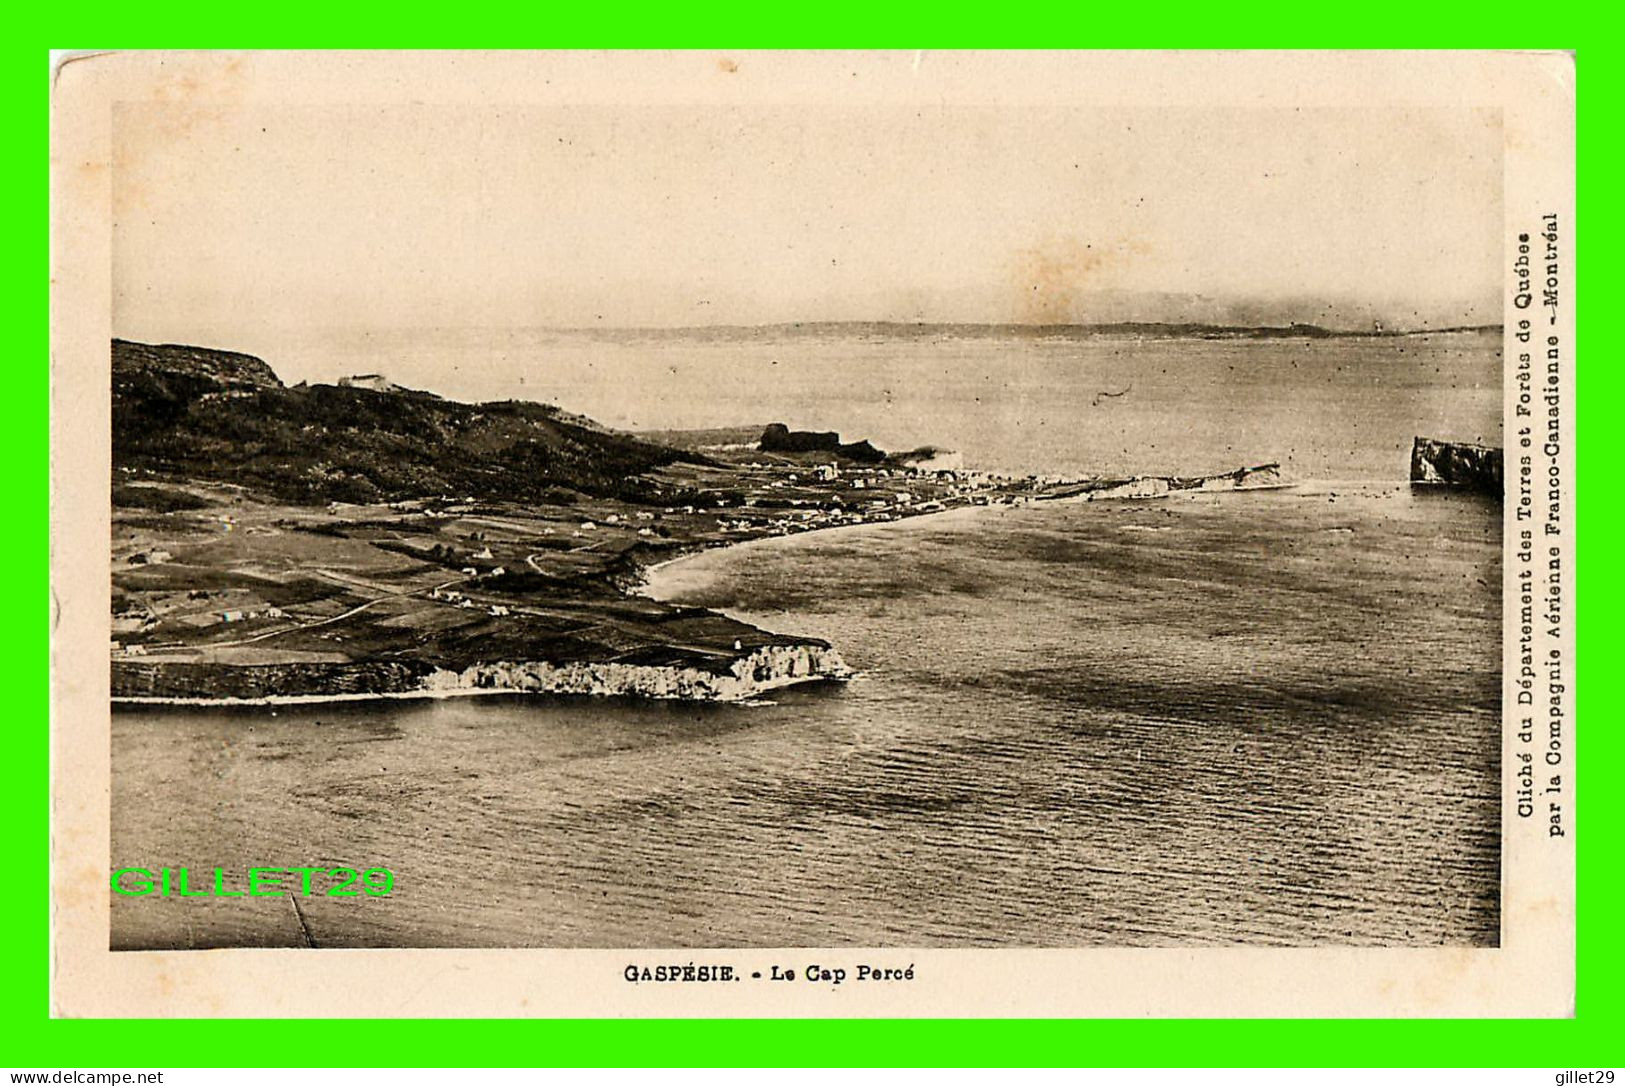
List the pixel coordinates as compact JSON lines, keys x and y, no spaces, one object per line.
{"x":651,"y":576}
{"x":506,"y":599}
{"x":649,"y":584}
{"x":304,"y":699}
{"x":431,"y":694}
{"x":966,"y":724}
{"x":761,"y":670}
{"x":646,"y":584}
{"x":612,"y":679}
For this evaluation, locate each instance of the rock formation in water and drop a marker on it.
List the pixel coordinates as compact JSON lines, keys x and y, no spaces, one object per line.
{"x":748,"y":676}
{"x":1456,"y":464}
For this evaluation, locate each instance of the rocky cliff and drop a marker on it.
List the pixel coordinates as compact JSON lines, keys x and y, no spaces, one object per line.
{"x":765,"y":669}
{"x":210,"y":682}
{"x":780,"y":438}
{"x":1457,"y":464}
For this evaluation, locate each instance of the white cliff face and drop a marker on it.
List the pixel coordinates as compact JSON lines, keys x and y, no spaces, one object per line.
{"x":765,"y":669}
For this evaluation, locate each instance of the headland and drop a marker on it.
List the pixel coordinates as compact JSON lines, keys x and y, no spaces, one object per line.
{"x":275,"y":544}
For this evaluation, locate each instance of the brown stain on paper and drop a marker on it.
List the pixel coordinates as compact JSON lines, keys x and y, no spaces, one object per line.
{"x":201,"y":92}
{"x":1052,"y":280}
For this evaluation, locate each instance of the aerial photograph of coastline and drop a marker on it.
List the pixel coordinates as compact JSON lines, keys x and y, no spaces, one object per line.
{"x":780,"y":526}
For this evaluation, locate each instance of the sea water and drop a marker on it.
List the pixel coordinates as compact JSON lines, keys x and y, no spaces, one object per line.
{"x":1263,"y":718}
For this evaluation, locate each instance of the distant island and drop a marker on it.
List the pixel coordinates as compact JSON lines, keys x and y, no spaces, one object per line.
{"x":357,"y":540}
{"x":1023,"y":330}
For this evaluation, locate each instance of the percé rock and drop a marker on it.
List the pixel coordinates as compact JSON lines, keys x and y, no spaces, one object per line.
{"x":780,"y":438}
{"x":1457,"y":464}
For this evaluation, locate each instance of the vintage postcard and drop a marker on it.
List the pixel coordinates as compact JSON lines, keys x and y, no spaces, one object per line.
{"x":813,"y":534}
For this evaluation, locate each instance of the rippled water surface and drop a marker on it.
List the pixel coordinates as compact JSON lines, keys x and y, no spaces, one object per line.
{"x":1268,"y":718}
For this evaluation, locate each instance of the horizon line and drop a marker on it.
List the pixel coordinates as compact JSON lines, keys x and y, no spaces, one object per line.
{"x":1293,"y":327}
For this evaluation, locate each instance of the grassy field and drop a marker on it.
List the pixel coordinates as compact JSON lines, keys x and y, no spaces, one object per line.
{"x":207,"y":574}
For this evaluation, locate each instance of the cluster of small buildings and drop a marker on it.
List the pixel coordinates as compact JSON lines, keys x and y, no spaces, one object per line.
{"x":892,"y":493}
{"x":451,"y":595}
{"x":244,"y":616}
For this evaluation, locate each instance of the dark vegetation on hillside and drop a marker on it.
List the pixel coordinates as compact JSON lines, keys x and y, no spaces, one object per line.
{"x":189,"y":413}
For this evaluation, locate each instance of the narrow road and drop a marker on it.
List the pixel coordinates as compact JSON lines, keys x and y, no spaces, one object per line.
{"x":313,"y":625}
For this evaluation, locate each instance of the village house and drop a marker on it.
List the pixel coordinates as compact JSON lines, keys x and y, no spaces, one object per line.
{"x":373,"y":382}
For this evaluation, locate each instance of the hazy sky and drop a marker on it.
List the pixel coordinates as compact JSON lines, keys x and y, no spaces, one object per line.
{"x":463,"y":216}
